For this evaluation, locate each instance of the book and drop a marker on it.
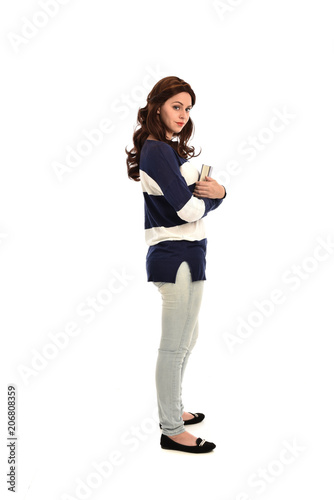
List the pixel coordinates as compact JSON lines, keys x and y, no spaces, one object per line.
{"x":206,"y":171}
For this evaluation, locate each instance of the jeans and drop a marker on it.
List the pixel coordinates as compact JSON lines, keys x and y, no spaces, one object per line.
{"x":181,"y":303}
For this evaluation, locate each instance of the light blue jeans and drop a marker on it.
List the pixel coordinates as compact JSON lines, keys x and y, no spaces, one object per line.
{"x":181,"y":302}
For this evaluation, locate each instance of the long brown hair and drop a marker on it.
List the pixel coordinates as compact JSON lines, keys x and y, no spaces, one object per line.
{"x":149,"y":123}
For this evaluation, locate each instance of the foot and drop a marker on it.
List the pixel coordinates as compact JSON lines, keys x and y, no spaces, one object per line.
{"x":187,"y":416}
{"x":201,"y":446}
{"x":184,"y":438}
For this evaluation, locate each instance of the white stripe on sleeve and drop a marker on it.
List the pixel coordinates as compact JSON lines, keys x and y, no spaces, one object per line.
{"x":193,"y":210}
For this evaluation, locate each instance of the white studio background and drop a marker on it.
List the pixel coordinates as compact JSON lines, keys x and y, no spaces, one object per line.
{"x":80,"y":324}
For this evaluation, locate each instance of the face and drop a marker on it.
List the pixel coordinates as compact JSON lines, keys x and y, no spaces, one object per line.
{"x":175,"y":113}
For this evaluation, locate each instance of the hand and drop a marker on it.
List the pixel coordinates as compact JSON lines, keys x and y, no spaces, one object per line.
{"x":209,"y":189}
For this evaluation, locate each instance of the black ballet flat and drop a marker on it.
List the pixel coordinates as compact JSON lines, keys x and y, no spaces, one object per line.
{"x":202,"y":446}
{"x":198,"y":417}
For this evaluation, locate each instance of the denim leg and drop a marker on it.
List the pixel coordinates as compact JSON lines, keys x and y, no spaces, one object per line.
{"x":180,"y":307}
{"x":186,"y":358}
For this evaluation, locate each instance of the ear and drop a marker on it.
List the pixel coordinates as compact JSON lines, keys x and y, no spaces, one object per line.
{"x":158,"y":111}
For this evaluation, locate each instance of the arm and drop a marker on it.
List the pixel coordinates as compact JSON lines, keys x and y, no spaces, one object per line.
{"x":209,"y":189}
{"x":164,"y":169}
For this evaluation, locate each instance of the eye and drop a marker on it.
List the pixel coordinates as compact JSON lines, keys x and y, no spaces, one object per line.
{"x":178,"y":107}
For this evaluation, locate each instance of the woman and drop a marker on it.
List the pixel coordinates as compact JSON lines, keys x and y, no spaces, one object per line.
{"x":175,"y":204}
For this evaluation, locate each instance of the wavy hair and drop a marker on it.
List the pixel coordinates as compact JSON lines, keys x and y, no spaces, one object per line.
{"x":150,"y":123}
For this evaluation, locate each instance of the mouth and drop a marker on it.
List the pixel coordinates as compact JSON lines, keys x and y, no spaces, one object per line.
{"x":180,"y":124}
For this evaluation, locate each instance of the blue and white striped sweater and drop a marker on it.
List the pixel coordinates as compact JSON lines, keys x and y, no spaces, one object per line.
{"x":174,"y":226}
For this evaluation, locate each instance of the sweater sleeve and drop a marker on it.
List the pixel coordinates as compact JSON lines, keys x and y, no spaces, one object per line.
{"x":164,"y":169}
